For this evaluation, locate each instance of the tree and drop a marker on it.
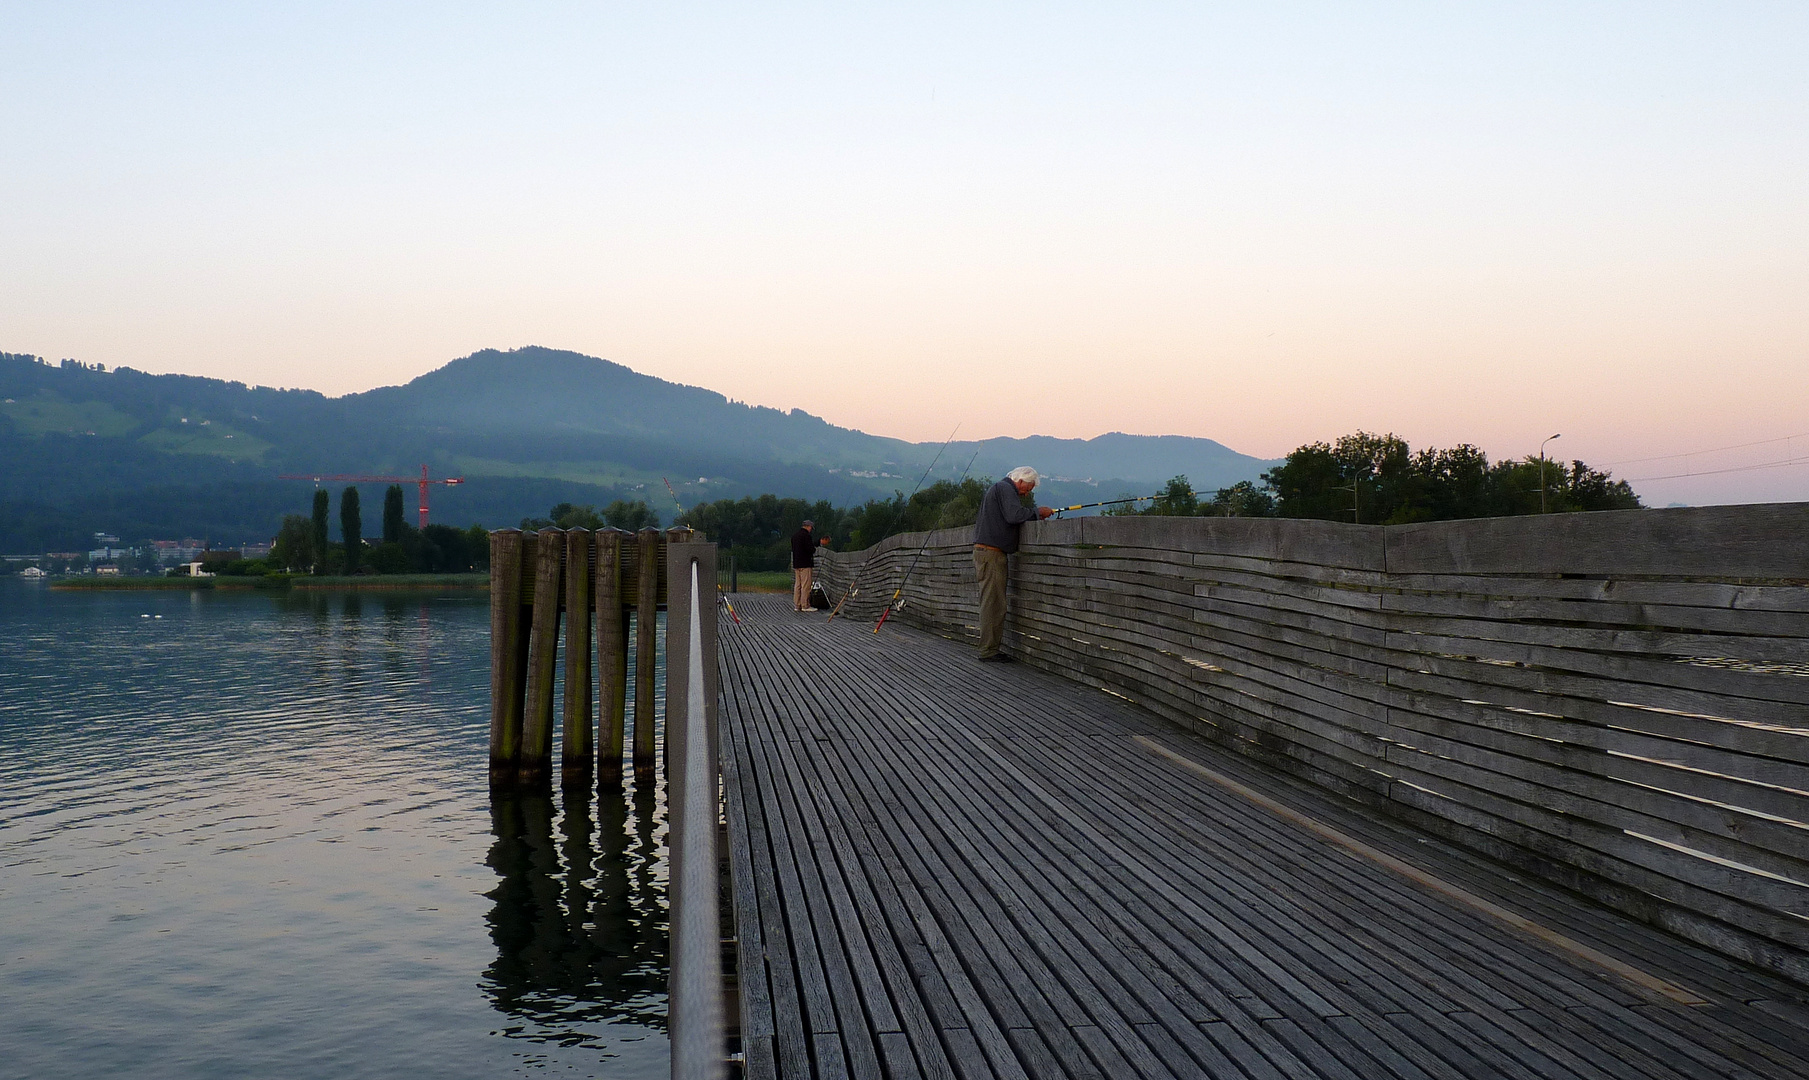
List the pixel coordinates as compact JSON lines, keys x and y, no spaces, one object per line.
{"x":1242,"y":499}
{"x":394,"y":523}
{"x":620,"y":514}
{"x":1459,"y":483}
{"x":1589,"y":489}
{"x":568,"y":516}
{"x":294,"y":547}
{"x":391,"y":558}
{"x":318,"y":535}
{"x":943,"y":505}
{"x":351,"y":528}
{"x":633,"y":516}
{"x":1177,"y":500}
{"x":757,"y":531}
{"x":477,"y":547}
{"x":1376,"y":479}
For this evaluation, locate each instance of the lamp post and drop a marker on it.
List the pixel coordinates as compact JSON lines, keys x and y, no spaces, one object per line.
{"x":1542,"y":472}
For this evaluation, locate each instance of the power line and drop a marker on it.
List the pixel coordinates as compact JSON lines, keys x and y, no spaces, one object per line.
{"x":1716,"y":450}
{"x":1718,"y":472}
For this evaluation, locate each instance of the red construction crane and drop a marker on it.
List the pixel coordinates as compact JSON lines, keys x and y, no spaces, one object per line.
{"x":360,"y":478}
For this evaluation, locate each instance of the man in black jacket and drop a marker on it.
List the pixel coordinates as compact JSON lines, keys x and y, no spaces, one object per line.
{"x":803,"y":566}
{"x":1002,"y":512}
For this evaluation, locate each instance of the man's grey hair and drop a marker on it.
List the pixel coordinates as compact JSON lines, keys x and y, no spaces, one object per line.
{"x":808,"y":523}
{"x":1023,"y":474}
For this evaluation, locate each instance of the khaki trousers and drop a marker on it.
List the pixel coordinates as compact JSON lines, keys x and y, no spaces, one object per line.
{"x":800,"y":587}
{"x":989,"y":567}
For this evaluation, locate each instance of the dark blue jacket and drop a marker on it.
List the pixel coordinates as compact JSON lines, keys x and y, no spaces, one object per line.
{"x":1002,"y":511}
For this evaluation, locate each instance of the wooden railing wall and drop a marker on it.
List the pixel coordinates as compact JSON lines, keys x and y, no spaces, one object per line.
{"x":1614,"y":702}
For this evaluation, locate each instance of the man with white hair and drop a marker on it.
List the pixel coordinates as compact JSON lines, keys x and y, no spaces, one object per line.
{"x":1002,"y":511}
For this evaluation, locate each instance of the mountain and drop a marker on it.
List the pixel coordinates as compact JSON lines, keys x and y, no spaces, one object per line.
{"x":142,"y":455}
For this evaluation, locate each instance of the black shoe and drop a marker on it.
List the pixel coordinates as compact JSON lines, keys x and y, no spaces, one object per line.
{"x":997,"y":658}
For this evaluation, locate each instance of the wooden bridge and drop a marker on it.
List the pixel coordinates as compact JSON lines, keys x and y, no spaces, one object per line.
{"x":1521,"y":798}
{"x":948,"y":869}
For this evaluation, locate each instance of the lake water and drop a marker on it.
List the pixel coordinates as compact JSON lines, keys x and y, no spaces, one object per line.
{"x":249,"y":835}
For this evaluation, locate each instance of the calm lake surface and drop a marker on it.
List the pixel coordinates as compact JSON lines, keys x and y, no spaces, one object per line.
{"x":250,"y":835}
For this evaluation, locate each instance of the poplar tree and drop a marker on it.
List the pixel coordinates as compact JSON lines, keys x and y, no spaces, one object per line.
{"x":319,"y":534}
{"x":351,"y":528}
{"x":392,"y":515}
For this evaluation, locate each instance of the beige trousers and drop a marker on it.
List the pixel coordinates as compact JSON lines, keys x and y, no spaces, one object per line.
{"x":800,"y":587}
{"x":989,"y":567}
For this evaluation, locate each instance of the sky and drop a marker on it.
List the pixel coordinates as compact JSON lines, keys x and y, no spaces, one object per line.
{"x":1265,"y":224}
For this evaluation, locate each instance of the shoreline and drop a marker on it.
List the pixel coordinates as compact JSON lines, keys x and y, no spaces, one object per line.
{"x":280,"y":583}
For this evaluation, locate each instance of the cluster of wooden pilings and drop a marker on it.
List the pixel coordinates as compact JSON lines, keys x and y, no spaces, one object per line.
{"x":535,"y":577}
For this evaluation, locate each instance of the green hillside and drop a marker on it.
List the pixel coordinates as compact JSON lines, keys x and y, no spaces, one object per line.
{"x":144,"y":455}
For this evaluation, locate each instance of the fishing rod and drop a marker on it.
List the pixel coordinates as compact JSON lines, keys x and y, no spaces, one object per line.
{"x":721,"y":597}
{"x":855,"y":585}
{"x":894,"y":605}
{"x":896,"y":593}
{"x":1108,"y":502}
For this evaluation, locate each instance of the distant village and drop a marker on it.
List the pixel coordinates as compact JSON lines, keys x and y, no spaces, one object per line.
{"x":107,"y":558}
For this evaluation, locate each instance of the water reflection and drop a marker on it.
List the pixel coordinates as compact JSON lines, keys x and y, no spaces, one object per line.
{"x":272,"y":806}
{"x":579,"y":920}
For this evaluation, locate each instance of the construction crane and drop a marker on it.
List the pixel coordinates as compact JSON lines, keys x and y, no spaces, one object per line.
{"x":360,"y":478}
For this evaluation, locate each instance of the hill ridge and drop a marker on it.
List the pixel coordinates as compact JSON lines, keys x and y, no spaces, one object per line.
{"x":127,"y":451}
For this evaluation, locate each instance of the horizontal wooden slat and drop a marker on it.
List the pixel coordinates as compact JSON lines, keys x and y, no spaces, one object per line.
{"x":1623,"y":694}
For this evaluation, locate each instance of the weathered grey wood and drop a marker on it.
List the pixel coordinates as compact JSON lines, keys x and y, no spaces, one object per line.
{"x":1660,"y":707}
{"x":963,"y":860}
{"x":678,"y":534}
{"x":508,"y":675}
{"x":754,"y":985}
{"x":612,"y":656}
{"x":534,"y":767}
{"x":1725,"y":542}
{"x":646,"y":644}
{"x":577,"y":752}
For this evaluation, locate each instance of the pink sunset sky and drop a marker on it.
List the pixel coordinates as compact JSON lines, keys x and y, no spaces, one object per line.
{"x":1262,"y":224}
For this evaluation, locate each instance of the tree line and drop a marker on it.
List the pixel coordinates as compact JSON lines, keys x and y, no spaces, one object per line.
{"x":757,"y":531}
{"x":1381,"y":480}
{"x":302,"y":545}
{"x":1362,"y":477}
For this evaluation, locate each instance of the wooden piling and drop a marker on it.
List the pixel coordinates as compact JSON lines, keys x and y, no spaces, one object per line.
{"x":577,"y":750}
{"x":612,"y":656}
{"x":647,"y":597}
{"x":507,"y":671}
{"x":535,"y":763}
{"x":677,"y":534}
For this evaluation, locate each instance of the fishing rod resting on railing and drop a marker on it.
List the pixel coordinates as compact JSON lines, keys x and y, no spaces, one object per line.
{"x":894,"y":604}
{"x":896,"y":593}
{"x":855,"y":585}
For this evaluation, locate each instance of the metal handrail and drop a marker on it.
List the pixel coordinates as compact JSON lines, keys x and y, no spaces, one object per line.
{"x":695,"y":999}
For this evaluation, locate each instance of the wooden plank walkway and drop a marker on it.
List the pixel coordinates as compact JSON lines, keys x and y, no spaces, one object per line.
{"x":949,"y":869}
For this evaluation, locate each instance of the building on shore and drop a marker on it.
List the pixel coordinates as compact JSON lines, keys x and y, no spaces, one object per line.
{"x":177,"y":552}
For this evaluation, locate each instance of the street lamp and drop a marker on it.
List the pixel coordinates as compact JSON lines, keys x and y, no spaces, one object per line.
{"x":1542,"y":472}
